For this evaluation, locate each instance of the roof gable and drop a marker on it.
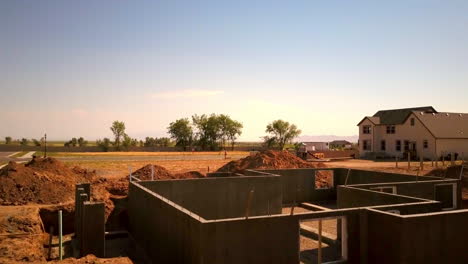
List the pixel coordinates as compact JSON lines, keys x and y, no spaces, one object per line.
{"x":445,"y":125}
{"x":398,"y":116}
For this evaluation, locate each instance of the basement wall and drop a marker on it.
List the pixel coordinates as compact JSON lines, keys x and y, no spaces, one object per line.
{"x":349,"y":197}
{"x":365,"y":177}
{"x":255,"y":240}
{"x":166,"y":233}
{"x":423,"y":190}
{"x":298,"y":185}
{"x":423,"y":238}
{"x":226,"y":197}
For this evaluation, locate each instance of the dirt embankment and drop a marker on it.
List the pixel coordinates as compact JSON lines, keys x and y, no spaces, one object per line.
{"x":268,"y":160}
{"x":41,"y":181}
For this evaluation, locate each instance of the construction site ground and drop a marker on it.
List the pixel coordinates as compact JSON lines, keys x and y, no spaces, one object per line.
{"x":24,"y":225}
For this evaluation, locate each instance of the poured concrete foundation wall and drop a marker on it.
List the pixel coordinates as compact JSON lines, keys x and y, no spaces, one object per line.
{"x":298,"y":185}
{"x":349,"y":197}
{"x":256,"y":240}
{"x":424,"y":190}
{"x":365,"y":177}
{"x":423,"y":238}
{"x":218,"y":198}
{"x":169,"y":234}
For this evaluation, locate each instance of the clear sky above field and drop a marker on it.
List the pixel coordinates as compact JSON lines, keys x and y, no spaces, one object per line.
{"x":72,"y":67}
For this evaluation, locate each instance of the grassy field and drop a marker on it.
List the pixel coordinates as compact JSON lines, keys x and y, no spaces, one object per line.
{"x":134,"y":154}
{"x":119,"y":169}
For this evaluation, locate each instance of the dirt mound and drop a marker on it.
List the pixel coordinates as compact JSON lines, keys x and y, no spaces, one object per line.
{"x":189,"y":175}
{"x":144,"y":173}
{"x":91,"y":259}
{"x":268,"y":160}
{"x":41,"y":181}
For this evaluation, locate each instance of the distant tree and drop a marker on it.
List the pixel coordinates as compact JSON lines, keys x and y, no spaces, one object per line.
{"x":118,"y":129}
{"x":24,"y":142}
{"x":36,"y":142}
{"x":74,"y":142}
{"x":104,"y":144}
{"x":208,"y":131}
{"x":181,"y":131}
{"x":141,"y":143}
{"x":281,"y":132}
{"x":234,"y":129}
{"x":150,"y":142}
{"x":164,"y":141}
{"x":134,"y":142}
{"x":8,"y":140}
{"x":82,"y":142}
{"x":126,"y":142}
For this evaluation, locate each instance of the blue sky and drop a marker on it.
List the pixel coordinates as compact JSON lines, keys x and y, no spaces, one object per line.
{"x":72,"y":67}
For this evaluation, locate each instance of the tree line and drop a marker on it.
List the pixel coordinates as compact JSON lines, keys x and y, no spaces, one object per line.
{"x":204,"y":132}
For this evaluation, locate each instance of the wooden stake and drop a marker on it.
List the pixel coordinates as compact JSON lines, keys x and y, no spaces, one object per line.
{"x":421,"y":162}
{"x":347,"y":176}
{"x":319,"y":260}
{"x":409,"y":160}
{"x":396,"y":162}
{"x":249,"y":202}
{"x":51,"y":231}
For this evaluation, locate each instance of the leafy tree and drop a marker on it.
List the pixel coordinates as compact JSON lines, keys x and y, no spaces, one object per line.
{"x":234,"y":129}
{"x":208,"y":131}
{"x":150,"y":142}
{"x":104,"y":144}
{"x":81,"y":142}
{"x":36,"y":142}
{"x":164,"y":141}
{"x":74,"y":142}
{"x":8,"y":140}
{"x":118,"y":129}
{"x":281,"y":132}
{"x":24,"y":142}
{"x":126,"y":142}
{"x":181,"y":131}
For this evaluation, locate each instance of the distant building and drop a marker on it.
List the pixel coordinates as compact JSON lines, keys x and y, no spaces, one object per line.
{"x":340,"y":144}
{"x":314,"y":146}
{"x":422,"y":131}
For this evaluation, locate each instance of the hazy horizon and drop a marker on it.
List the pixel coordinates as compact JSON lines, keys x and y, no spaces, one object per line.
{"x":71,"y":68}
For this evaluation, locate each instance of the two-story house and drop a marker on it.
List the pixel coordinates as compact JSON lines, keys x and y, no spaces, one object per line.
{"x":422,"y":131}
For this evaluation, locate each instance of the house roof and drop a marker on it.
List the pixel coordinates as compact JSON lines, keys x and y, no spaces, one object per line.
{"x":340,"y":142}
{"x":445,"y":125}
{"x":375,"y":120}
{"x":399,"y":116}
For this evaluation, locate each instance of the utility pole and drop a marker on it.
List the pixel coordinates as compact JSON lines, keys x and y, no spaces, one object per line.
{"x":45,"y":145}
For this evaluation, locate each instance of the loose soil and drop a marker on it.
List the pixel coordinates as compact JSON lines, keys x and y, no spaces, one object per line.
{"x":41,"y":181}
{"x":269,"y":160}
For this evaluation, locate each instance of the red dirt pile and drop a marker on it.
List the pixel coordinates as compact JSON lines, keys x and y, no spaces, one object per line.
{"x":160,"y":173}
{"x":41,"y":181}
{"x":268,"y":160}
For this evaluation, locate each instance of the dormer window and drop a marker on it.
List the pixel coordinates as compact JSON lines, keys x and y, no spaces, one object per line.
{"x":390,"y":129}
{"x":366,"y":129}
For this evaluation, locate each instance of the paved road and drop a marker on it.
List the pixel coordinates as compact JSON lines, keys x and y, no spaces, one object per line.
{"x":4,"y":156}
{"x":140,"y":158}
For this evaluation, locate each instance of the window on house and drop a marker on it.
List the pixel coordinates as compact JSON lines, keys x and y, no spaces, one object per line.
{"x":366,"y":145}
{"x":366,"y":129}
{"x":390,"y":129}
{"x":412,"y":121}
{"x":383,"y":145}
{"x":398,"y":145}
{"x":406,"y":145}
{"x":425,"y":144}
